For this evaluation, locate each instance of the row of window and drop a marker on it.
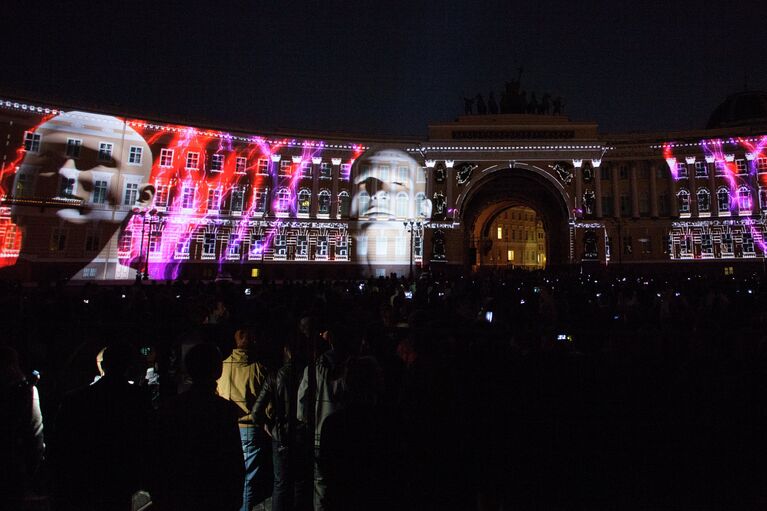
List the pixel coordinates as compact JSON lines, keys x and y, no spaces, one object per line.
{"x":511,"y":234}
{"x":723,"y":200}
{"x":702,"y":168}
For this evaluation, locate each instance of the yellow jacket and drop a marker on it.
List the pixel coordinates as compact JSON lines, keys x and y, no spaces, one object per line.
{"x":241,"y":382}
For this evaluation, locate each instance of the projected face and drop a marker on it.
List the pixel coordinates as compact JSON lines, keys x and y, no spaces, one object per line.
{"x":76,"y":169}
{"x":389,"y":190}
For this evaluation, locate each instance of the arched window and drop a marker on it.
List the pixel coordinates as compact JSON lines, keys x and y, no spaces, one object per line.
{"x":684,"y":201}
{"x":420,"y":204}
{"x":704,"y":200}
{"x":343,"y":204}
{"x":723,"y":199}
{"x":324,"y":202}
{"x":283,"y":200}
{"x":363,"y":202}
{"x":744,"y":198}
{"x":402,"y":205}
{"x":304,"y":201}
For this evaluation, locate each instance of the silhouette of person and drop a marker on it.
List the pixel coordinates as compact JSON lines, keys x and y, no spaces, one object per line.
{"x":481,"y":107}
{"x":532,"y":105}
{"x":545,"y":107}
{"x":100,"y":437}
{"x":492,"y":106}
{"x":21,"y":431}
{"x":199,"y":461}
{"x":559,"y":106}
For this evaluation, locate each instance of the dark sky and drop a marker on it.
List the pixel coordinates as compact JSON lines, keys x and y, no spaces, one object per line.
{"x":384,"y":66}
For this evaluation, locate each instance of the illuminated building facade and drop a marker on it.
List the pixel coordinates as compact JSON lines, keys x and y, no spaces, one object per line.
{"x":95,"y":196}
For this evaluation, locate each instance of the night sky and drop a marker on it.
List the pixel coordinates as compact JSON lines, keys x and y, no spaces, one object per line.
{"x":384,"y":67}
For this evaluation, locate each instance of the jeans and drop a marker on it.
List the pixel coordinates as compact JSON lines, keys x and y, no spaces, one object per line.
{"x":257,"y":470}
{"x":290,"y":468}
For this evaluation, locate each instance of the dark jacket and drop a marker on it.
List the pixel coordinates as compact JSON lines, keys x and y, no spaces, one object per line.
{"x":100,"y":439}
{"x":281,"y":390}
{"x":198,"y":454}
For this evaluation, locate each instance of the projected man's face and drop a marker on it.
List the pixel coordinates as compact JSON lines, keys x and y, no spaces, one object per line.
{"x":388,"y":191}
{"x":84,"y":163}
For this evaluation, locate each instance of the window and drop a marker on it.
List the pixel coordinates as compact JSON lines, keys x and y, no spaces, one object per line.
{"x":723,"y":200}
{"x":89,"y":272}
{"x":285,"y":167}
{"x":238,"y":199}
{"x":701,"y":170}
{"x":748,"y":243}
{"x":187,"y":196}
{"x":182,"y":248}
{"x":623,"y":172}
{"x":256,"y":246}
{"x":402,"y":204}
{"x":66,"y":187}
{"x":304,"y":201}
{"x":704,"y":200}
{"x":326,"y":171}
{"x":105,"y":151}
{"x":660,"y":173}
{"x":23,"y":185}
{"x":382,"y":245}
{"x":192,"y":160}
{"x":644,"y":172}
{"x":606,"y":173}
{"x":383,"y":173}
{"x":343,"y":204}
{"x":324,"y":202}
{"x":214,"y":199}
{"x":263,"y":166}
{"x":166,"y":157}
{"x":420,"y":204}
{"x":259,"y":199}
{"x":644,"y":204}
{"x":321,"y":250}
{"x":706,"y":244}
{"x":73,"y":147}
{"x":161,"y":195}
{"x":403,"y":174}
{"x":233,"y":247}
{"x":744,"y":199}
{"x":209,"y":245}
{"x":741,"y":166}
{"x":302,"y":246}
{"x":99,"y":191}
{"x":420,"y":175}
{"x":346,"y":170}
{"x":131,"y":194}
{"x":400,"y":245}
{"x":306,"y":169}
{"x":58,"y":240}
{"x":125,"y":241}
{"x":135,"y":155}
{"x":92,"y":241}
{"x":283,"y":200}
{"x":510,"y":255}
{"x":763,"y":199}
{"x":240,"y":165}
{"x":155,"y":241}
{"x":32,"y":142}
{"x":727,"y":244}
{"x":761,"y":164}
{"x":607,"y":205}
{"x":684,"y":201}
{"x":625,"y":205}
{"x":280,"y":246}
{"x":721,"y":168}
{"x":681,"y":170}
{"x":364,"y":203}
{"x":342,"y":247}
{"x":217,"y":163}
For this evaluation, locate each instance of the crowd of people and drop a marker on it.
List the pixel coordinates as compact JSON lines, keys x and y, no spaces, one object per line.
{"x":534,"y":390}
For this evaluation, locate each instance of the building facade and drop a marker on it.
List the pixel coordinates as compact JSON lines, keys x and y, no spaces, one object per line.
{"x":90,"y":195}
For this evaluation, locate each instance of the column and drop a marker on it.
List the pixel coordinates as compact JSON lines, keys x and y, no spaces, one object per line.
{"x":578,"y":184}
{"x":616,"y":192}
{"x":712,"y":187}
{"x":598,"y":191}
{"x":653,"y":190}
{"x":693,"y":186}
{"x":674,"y":203}
{"x":316,"y":162}
{"x":449,"y":186}
{"x":634,"y":190}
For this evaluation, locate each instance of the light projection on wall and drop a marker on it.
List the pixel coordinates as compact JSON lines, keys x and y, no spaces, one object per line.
{"x":728,"y":188}
{"x":154,"y":197}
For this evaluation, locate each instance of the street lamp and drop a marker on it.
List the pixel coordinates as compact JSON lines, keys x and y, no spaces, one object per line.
{"x":142,"y":214}
{"x":412,"y":226}
{"x":156,"y":224}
